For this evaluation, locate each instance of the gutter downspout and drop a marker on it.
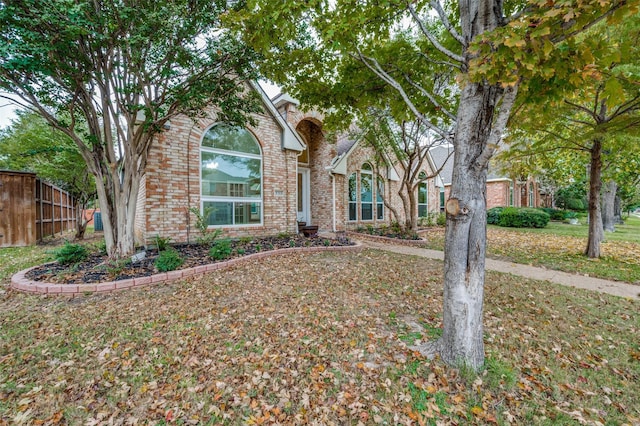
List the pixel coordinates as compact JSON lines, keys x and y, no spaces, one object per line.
{"x":333,"y":200}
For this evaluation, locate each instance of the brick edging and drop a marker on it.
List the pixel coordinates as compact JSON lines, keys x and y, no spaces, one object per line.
{"x":378,"y":238}
{"x":21,"y":283}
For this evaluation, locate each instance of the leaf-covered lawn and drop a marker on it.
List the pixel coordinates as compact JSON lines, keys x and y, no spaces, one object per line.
{"x":620,"y":259}
{"x":319,"y":339}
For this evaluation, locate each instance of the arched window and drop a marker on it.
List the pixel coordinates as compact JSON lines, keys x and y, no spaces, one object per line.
{"x":423,"y":196}
{"x":380,"y":198}
{"x":231,"y":176}
{"x":353,"y":197}
{"x":366,"y":192}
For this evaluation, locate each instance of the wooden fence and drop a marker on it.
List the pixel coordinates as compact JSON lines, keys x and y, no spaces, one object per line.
{"x":31,"y":209}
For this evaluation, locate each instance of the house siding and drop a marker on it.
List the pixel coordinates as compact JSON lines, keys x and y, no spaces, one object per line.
{"x":173,"y":182}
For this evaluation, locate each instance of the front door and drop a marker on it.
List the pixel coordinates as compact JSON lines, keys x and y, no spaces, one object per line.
{"x":304,"y":214}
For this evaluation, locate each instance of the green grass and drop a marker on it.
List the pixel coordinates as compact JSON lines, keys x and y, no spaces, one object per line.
{"x":15,"y":259}
{"x":560,"y":246}
{"x":630,"y":231}
{"x":316,"y":338}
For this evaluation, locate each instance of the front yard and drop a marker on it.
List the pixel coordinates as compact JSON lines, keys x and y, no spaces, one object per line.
{"x":315,"y":338}
{"x":560,"y":246}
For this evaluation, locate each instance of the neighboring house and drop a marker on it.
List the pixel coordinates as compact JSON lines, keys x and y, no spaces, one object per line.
{"x":264,"y":179}
{"x":502,"y":191}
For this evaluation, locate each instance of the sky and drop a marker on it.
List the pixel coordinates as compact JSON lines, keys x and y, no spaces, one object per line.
{"x":7,"y":110}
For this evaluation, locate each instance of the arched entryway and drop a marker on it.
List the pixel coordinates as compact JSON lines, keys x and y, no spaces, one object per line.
{"x":314,"y":181}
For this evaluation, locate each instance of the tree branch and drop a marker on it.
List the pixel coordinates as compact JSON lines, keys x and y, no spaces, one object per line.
{"x":375,"y":67}
{"x":435,"y":4}
{"x":434,"y":41}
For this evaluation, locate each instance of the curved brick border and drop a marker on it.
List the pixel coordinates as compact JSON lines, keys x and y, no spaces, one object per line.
{"x":378,"y":238}
{"x":21,"y":283}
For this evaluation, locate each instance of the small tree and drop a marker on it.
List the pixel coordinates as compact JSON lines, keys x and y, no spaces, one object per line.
{"x":112,"y":74}
{"x":405,"y":145}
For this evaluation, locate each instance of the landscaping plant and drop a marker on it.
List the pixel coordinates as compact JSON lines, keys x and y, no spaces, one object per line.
{"x":71,"y":253}
{"x":168,"y":260}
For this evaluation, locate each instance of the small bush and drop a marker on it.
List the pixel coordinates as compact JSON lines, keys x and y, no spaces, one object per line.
{"x":431,"y":219}
{"x":493,"y":215}
{"x":168,"y":260}
{"x":101,"y":247}
{"x":441,"y":220}
{"x":116,"y":267}
{"x":576,"y":204}
{"x":220,"y":250}
{"x":525,"y":217}
{"x":162,"y":242}
{"x":71,"y":253}
{"x":554,"y":214}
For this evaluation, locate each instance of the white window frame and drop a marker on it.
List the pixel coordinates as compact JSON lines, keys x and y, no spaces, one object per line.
{"x":229,"y":199}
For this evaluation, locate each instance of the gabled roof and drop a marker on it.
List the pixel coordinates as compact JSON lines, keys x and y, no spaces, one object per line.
{"x":290,"y":138}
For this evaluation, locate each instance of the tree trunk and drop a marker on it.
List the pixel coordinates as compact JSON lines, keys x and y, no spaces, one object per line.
{"x":118,"y":206}
{"x":412,"y":218}
{"x":596,"y":233}
{"x":608,"y":206}
{"x":617,"y":210}
{"x":81,"y":222}
{"x":465,"y":237}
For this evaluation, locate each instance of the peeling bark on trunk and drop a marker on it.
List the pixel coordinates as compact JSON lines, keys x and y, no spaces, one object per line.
{"x":608,"y":206}
{"x":596,"y":233}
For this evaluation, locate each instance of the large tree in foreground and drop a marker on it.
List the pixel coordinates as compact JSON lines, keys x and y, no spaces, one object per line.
{"x":349,"y":54}
{"x":112,"y":73}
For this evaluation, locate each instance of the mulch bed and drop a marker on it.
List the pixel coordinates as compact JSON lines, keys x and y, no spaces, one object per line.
{"x":98,"y":268}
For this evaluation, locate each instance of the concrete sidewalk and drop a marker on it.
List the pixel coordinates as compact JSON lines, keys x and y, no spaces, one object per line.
{"x":572,"y":280}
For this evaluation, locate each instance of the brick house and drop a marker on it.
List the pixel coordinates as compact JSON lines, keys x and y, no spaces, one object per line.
{"x":502,"y":191}
{"x":264,"y":179}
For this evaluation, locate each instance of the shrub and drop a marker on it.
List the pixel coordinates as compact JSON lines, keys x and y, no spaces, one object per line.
{"x":168,"y":260}
{"x":441,"y":220}
{"x":525,"y":217}
{"x":202,"y":225}
{"x":101,"y":247}
{"x":220,"y":250}
{"x":162,"y":242}
{"x":554,"y":214}
{"x":576,"y":204}
{"x":493,"y":215}
{"x":71,"y":253}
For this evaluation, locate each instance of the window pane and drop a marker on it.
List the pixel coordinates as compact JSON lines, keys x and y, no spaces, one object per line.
{"x":380,"y":212}
{"x":422,"y":210}
{"x":231,"y":139}
{"x":352,"y":211}
{"x":246,"y":213}
{"x":422,"y":193}
{"x":366,"y":190}
{"x":230,"y":176}
{"x":380,"y":190}
{"x":367,"y":211}
{"x":353,"y":194}
{"x":233,"y":213}
{"x":221,"y":213}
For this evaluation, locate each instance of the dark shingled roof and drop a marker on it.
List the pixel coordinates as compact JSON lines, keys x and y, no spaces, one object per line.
{"x":344,"y":143}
